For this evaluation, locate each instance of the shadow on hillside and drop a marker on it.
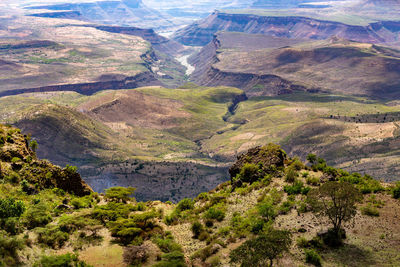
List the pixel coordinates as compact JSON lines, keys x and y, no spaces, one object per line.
{"x":351,"y":255}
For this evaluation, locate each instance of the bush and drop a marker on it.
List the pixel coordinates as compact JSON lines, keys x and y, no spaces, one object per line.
{"x":291,"y":175}
{"x":396,"y":191}
{"x":9,"y":247}
{"x":266,"y":210}
{"x":66,"y":260}
{"x":185,"y":204}
{"x":197,"y":228}
{"x":81,"y":202}
{"x":167,"y":244}
{"x":119,"y":194}
{"x":171,"y":219}
{"x":9,"y":207}
{"x":369,"y":210}
{"x":313,"y":181}
{"x":52,"y":237}
{"x":294,"y":189}
{"x":216,"y":212}
{"x":135,"y":255}
{"x":112,"y":211}
{"x":37,"y":215}
{"x":302,"y":242}
{"x":313,"y":257}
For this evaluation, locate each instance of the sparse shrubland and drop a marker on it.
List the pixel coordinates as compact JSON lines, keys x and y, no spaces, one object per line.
{"x":271,"y":200}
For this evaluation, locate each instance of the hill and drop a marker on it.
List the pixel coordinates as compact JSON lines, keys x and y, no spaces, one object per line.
{"x":269,"y":193}
{"x":286,"y":24}
{"x":279,"y":65}
{"x":57,"y":55}
{"x":126,"y":137}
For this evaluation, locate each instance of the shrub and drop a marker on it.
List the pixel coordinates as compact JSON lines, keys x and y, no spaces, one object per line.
{"x":52,"y":236}
{"x":167,"y":244}
{"x":396,"y":191}
{"x":313,"y":181}
{"x":172,"y":218}
{"x":266,"y":210}
{"x":302,"y":242}
{"x":81,"y":202}
{"x":9,"y":207}
{"x":9,"y":247}
{"x":294,"y":189}
{"x":216,"y":212}
{"x":135,"y":255}
{"x":71,"y":169}
{"x":197,"y":228}
{"x":185,"y":204}
{"x":291,"y":175}
{"x":37,"y":215}
{"x":66,"y":260}
{"x":119,"y":194}
{"x":370,"y":210}
{"x":313,"y":257}
{"x":112,"y":211}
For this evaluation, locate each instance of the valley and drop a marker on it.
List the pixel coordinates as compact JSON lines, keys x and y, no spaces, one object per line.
{"x":131,"y":107}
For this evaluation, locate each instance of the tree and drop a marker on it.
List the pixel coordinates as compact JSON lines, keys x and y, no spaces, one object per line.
{"x":262,"y":250}
{"x":119,"y":194}
{"x":335,"y":200}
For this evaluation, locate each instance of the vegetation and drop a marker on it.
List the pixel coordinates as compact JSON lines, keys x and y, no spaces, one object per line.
{"x":239,"y":215}
{"x":337,"y":201}
{"x":262,"y":250}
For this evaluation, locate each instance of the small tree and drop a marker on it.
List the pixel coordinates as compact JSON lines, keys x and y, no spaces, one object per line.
{"x":262,"y":250}
{"x":119,"y":194}
{"x":33,"y":145}
{"x":335,"y":200}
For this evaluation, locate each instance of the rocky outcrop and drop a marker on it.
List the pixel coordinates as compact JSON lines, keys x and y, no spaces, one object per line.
{"x":201,"y":33}
{"x":19,"y":161}
{"x":267,"y":157}
{"x":142,"y":79}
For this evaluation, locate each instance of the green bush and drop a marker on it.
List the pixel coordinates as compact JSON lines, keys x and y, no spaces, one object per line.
{"x":37,"y":215}
{"x":216,"y":212}
{"x":313,"y":257}
{"x":396,"y":191}
{"x":313,"y":181}
{"x":82,"y":202}
{"x":266,"y":209}
{"x":112,"y":211}
{"x":119,"y":194}
{"x":302,"y":242}
{"x":370,"y":210}
{"x":172,"y":218}
{"x":185,"y":204}
{"x":291,"y":175}
{"x":52,"y":236}
{"x":294,"y":189}
{"x":197,"y":228}
{"x":9,"y":207}
{"x":66,"y":260}
{"x":9,"y":247}
{"x":167,"y":244}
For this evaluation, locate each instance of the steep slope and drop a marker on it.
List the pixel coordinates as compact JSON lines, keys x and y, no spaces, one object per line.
{"x":335,"y":65}
{"x":18,"y":162}
{"x":201,"y":33}
{"x":149,"y":138}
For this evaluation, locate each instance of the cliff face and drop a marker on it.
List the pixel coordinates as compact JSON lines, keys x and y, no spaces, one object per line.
{"x":201,"y":33}
{"x":253,"y":84}
{"x":142,"y":79}
{"x":158,"y":42}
